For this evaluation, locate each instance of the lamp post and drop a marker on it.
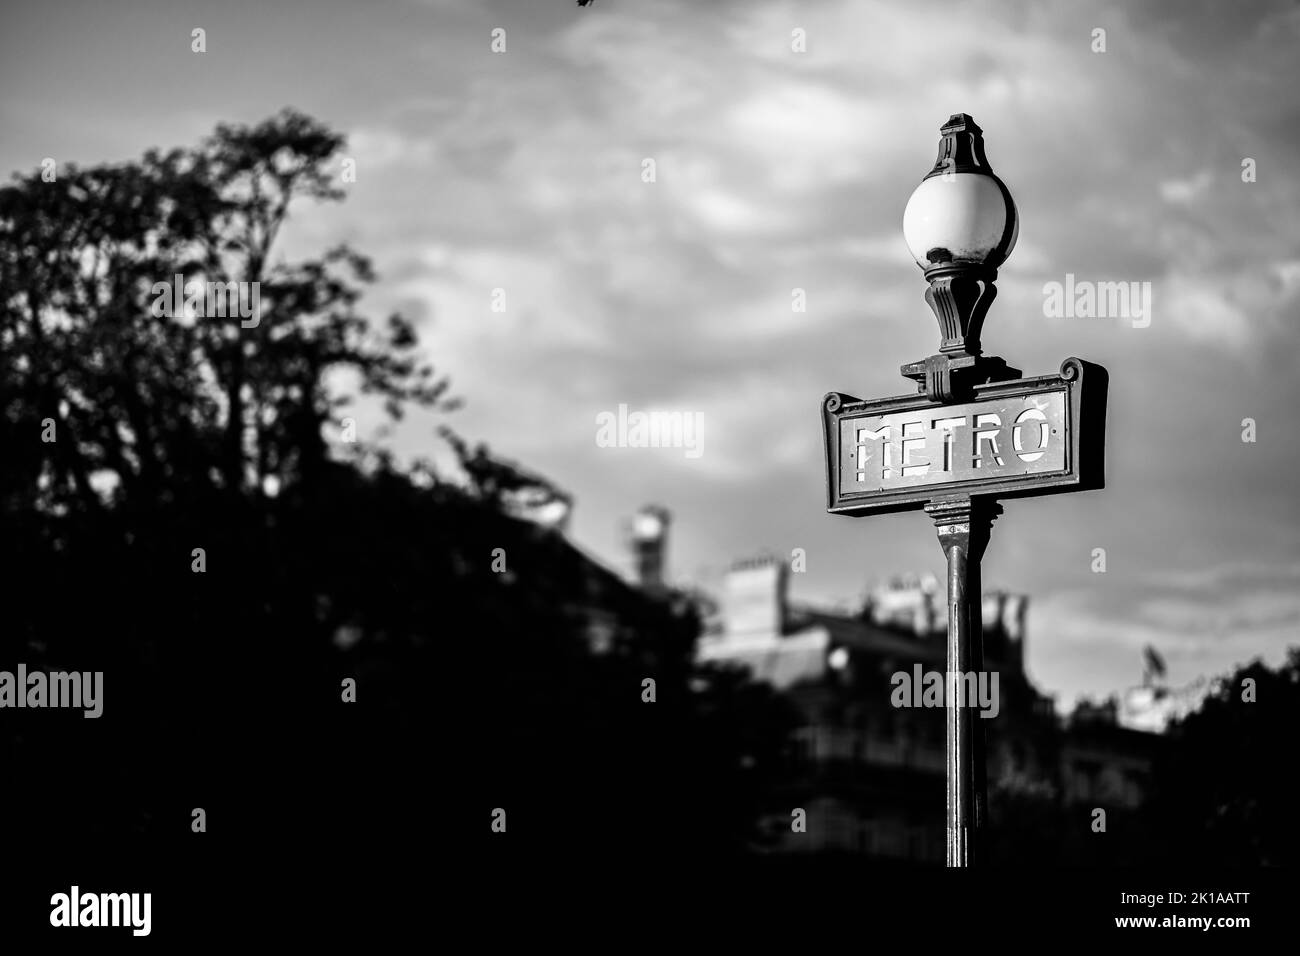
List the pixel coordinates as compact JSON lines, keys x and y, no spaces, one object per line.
{"x":960,"y":224}
{"x":977,"y":432}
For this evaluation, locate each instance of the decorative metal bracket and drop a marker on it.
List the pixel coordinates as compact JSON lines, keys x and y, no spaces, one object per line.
{"x":949,"y":378}
{"x":959,"y":295}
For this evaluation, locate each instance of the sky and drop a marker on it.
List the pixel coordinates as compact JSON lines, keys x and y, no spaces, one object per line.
{"x":779,"y":169}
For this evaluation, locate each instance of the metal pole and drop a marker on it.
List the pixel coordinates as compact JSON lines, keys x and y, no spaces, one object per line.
{"x":962,"y":525}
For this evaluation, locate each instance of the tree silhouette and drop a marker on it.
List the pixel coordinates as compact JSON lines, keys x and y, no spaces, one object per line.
{"x":1225,"y":784}
{"x":179,"y":509}
{"x":186,"y":406}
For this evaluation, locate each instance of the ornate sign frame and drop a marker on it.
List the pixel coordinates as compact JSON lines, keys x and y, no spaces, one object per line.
{"x":1085,"y":386}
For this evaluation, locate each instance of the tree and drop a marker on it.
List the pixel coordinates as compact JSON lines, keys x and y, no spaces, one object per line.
{"x":181,"y":406}
{"x":1239,"y":813}
{"x":192,"y":533}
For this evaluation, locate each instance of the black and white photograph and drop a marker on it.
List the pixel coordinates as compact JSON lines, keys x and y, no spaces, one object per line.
{"x":591,"y":474}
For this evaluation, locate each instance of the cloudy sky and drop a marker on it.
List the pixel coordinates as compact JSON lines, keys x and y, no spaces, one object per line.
{"x":775,"y":169}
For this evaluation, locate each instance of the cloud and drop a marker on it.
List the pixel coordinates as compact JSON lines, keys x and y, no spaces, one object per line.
{"x":780,"y":170}
{"x":1205,"y":621}
{"x":1186,"y":190}
{"x":382,"y":147}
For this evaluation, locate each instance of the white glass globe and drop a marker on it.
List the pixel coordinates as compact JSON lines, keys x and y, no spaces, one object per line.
{"x":964,"y":214}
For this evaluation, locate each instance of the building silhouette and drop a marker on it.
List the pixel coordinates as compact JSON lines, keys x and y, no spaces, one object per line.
{"x":868,"y":773}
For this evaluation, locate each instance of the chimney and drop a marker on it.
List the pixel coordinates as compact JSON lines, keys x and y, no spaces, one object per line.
{"x":992,"y":604}
{"x":906,"y":602}
{"x":1004,"y":626}
{"x":753,"y":602}
{"x":1013,"y":625}
{"x":650,"y":546}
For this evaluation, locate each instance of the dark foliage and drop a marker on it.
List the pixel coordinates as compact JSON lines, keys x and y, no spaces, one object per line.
{"x":324,"y":560}
{"x":1226,"y":784}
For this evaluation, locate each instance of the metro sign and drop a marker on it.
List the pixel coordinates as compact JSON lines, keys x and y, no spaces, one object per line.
{"x":1031,"y":436}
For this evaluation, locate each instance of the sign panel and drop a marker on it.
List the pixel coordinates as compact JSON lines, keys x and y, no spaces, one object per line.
{"x":1024,"y":437}
{"x":934,"y":446}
